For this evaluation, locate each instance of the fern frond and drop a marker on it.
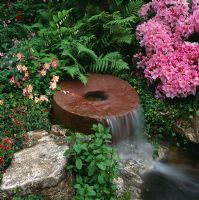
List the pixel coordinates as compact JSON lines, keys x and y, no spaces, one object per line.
{"x":70,"y":54}
{"x":110,"y":62}
{"x":133,"y":7}
{"x":122,"y":21}
{"x":83,"y":49}
{"x":122,"y":36}
{"x":74,"y":72}
{"x":101,"y":15}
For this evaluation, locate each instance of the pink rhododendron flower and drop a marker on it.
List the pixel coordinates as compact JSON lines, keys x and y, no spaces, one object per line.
{"x":171,"y":62}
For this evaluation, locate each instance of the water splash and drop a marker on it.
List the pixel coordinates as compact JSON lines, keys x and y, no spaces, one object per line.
{"x":128,"y":137}
{"x":175,"y":182}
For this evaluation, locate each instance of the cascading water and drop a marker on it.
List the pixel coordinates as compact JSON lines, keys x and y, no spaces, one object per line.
{"x":123,"y":126}
{"x":165,"y":181}
{"x":115,"y":103}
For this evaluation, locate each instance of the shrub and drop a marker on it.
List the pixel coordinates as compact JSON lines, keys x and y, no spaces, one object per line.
{"x":161,"y":115}
{"x":93,"y":163}
{"x":17,"y":117}
{"x":171,"y":61}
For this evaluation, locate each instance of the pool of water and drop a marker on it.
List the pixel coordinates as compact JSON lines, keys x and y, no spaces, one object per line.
{"x":174,"y":178}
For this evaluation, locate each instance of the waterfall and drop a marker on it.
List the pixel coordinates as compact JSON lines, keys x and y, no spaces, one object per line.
{"x":165,"y":181}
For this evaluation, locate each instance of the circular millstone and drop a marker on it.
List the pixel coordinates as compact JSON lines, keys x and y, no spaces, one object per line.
{"x":103,"y":97}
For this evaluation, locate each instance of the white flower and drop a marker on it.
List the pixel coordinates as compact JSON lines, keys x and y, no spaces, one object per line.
{"x":53,"y":85}
{"x":1,"y":102}
{"x":46,"y":66}
{"x":43,"y":98}
{"x":55,"y":79}
{"x":43,"y":72}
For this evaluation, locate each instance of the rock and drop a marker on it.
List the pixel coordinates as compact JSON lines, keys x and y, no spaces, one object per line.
{"x":57,"y":130}
{"x":38,"y":170}
{"x":119,"y":182}
{"x":163,"y":151}
{"x":188,"y":128}
{"x":81,"y":105}
{"x":136,"y":160}
{"x":35,"y":136}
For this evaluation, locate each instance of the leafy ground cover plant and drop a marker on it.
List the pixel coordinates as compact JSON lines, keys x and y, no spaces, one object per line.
{"x":161,"y":115}
{"x":15,"y":17}
{"x":170,"y":61}
{"x":93,"y":163}
{"x":17,"y":117}
{"x":62,"y":44}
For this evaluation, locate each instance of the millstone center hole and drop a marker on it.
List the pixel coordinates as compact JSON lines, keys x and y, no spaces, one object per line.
{"x":96,"y":96}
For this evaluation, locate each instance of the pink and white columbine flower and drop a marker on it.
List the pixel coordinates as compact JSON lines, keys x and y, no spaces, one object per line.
{"x":55,"y":79}
{"x":54,"y":63}
{"x":20,"y":56}
{"x":12,"y":79}
{"x":1,"y":102}
{"x":46,"y":66}
{"x":27,"y":91}
{"x":42,"y":98}
{"x":42,"y":72}
{"x":53,"y":85}
{"x":21,"y":68}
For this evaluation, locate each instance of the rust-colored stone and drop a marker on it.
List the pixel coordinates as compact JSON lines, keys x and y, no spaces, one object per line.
{"x":104,"y":96}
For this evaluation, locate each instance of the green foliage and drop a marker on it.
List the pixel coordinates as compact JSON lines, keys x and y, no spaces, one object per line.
{"x":15,"y":18}
{"x":133,"y":7}
{"x":29,"y":197}
{"x":83,"y":43}
{"x":161,"y":115}
{"x":93,"y":163}
{"x":17,"y":117}
{"x":126,"y":196}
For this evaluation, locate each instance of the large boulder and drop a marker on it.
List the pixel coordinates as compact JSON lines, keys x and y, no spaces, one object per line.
{"x":136,"y":162}
{"x":39,"y":169}
{"x":188,"y":128}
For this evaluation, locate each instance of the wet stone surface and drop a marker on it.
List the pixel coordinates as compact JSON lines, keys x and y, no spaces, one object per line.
{"x":79,"y":106}
{"x":188,"y":128}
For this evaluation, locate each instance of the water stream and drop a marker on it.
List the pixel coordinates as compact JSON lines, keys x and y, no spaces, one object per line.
{"x":174,"y":178}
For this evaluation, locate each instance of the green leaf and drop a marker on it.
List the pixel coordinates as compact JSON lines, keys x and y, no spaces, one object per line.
{"x":77,"y":148}
{"x":91,"y":170}
{"x":101,"y":166}
{"x":118,"y":2}
{"x":91,"y":192}
{"x":78,"y":163}
{"x":100,"y":179}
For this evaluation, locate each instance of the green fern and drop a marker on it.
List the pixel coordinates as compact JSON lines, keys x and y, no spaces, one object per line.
{"x":110,"y":62}
{"x":74,"y":72}
{"x":60,"y":18}
{"x":133,"y":7}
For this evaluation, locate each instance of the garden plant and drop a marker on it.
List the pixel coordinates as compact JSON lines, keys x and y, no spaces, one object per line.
{"x":151,"y":44}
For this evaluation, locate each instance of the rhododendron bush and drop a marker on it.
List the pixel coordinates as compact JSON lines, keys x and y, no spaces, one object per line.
{"x":171,"y":62}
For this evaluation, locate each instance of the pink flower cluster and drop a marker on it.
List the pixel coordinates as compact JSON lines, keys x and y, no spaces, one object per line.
{"x":171,"y":62}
